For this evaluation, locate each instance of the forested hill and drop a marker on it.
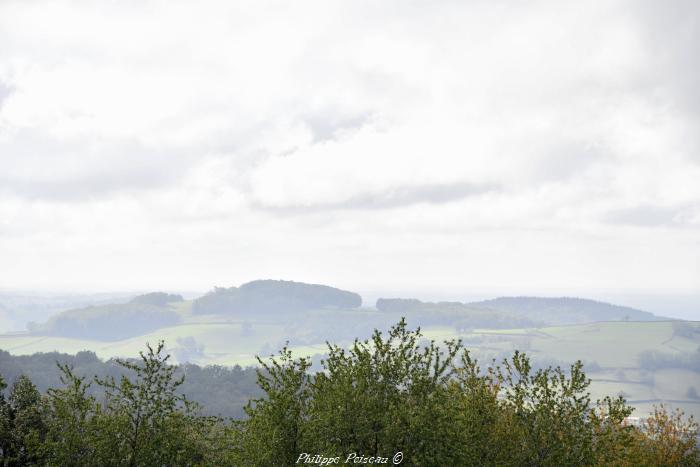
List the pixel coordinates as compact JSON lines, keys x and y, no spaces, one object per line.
{"x":318,"y":307}
{"x":272,"y":296}
{"x":19,"y":308}
{"x":142,"y":314}
{"x":517,"y":311}
{"x":275,"y":299}
{"x":460,"y":315}
{"x":564,"y":310}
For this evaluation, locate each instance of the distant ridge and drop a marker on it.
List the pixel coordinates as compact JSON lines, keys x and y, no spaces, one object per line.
{"x":279,"y":300}
{"x":143,"y":314}
{"x":565,"y":310}
{"x":520,"y":311}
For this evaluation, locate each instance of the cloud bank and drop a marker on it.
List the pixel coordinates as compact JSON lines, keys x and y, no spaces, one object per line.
{"x":451,"y":145}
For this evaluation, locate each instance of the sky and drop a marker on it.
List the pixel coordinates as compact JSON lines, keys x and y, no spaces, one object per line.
{"x":456,"y":147}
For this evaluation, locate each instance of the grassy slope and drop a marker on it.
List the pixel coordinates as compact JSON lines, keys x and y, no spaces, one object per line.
{"x":613,"y":346}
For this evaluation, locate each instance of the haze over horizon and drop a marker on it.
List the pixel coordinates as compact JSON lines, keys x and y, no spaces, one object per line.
{"x":449,"y":147}
{"x":679,"y":304}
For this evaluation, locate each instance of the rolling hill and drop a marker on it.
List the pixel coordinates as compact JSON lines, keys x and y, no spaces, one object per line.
{"x":613,"y":341}
{"x":564,"y":310}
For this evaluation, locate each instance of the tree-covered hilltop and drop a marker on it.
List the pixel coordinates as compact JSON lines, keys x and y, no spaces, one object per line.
{"x":157,"y":299}
{"x":141,"y":315}
{"x":19,"y":308}
{"x":565,"y":310}
{"x":274,"y":297}
{"x":393,"y":396}
{"x":459,"y":315}
{"x":515,"y":312}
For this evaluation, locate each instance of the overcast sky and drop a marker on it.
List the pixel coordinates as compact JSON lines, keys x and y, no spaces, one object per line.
{"x":445,"y":146}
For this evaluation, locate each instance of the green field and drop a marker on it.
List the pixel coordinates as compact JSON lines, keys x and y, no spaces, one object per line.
{"x":610,"y":350}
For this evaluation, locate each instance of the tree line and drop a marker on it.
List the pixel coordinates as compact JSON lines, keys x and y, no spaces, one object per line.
{"x":218,"y":390}
{"x":143,"y":314}
{"x":393,"y":393}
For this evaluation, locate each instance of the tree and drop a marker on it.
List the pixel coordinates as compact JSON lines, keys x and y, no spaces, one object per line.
{"x":667,"y":440}
{"x":383,"y":396}
{"x":23,"y":425}
{"x":273,"y":434}
{"x":5,"y":422}
{"x":390,"y":394}
{"x":144,"y":420}
{"x":149,"y":422}
{"x":433,"y":403}
{"x":71,"y":418}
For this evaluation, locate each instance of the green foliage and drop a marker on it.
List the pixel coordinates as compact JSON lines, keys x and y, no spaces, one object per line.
{"x":668,"y":440}
{"x":5,"y":422}
{"x":551,"y":412}
{"x":147,"y":416}
{"x":272,"y":435}
{"x":383,"y":396}
{"x":434,"y":404}
{"x":219,"y":390}
{"x":23,"y":427}
{"x":72,"y":417}
{"x":143,"y":421}
{"x":391,"y":393}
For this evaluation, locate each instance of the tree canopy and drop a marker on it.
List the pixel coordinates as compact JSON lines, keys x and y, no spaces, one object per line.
{"x":274,"y":297}
{"x":391,"y":397}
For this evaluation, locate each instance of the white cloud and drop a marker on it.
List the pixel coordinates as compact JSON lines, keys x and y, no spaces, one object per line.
{"x":398,"y":144}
